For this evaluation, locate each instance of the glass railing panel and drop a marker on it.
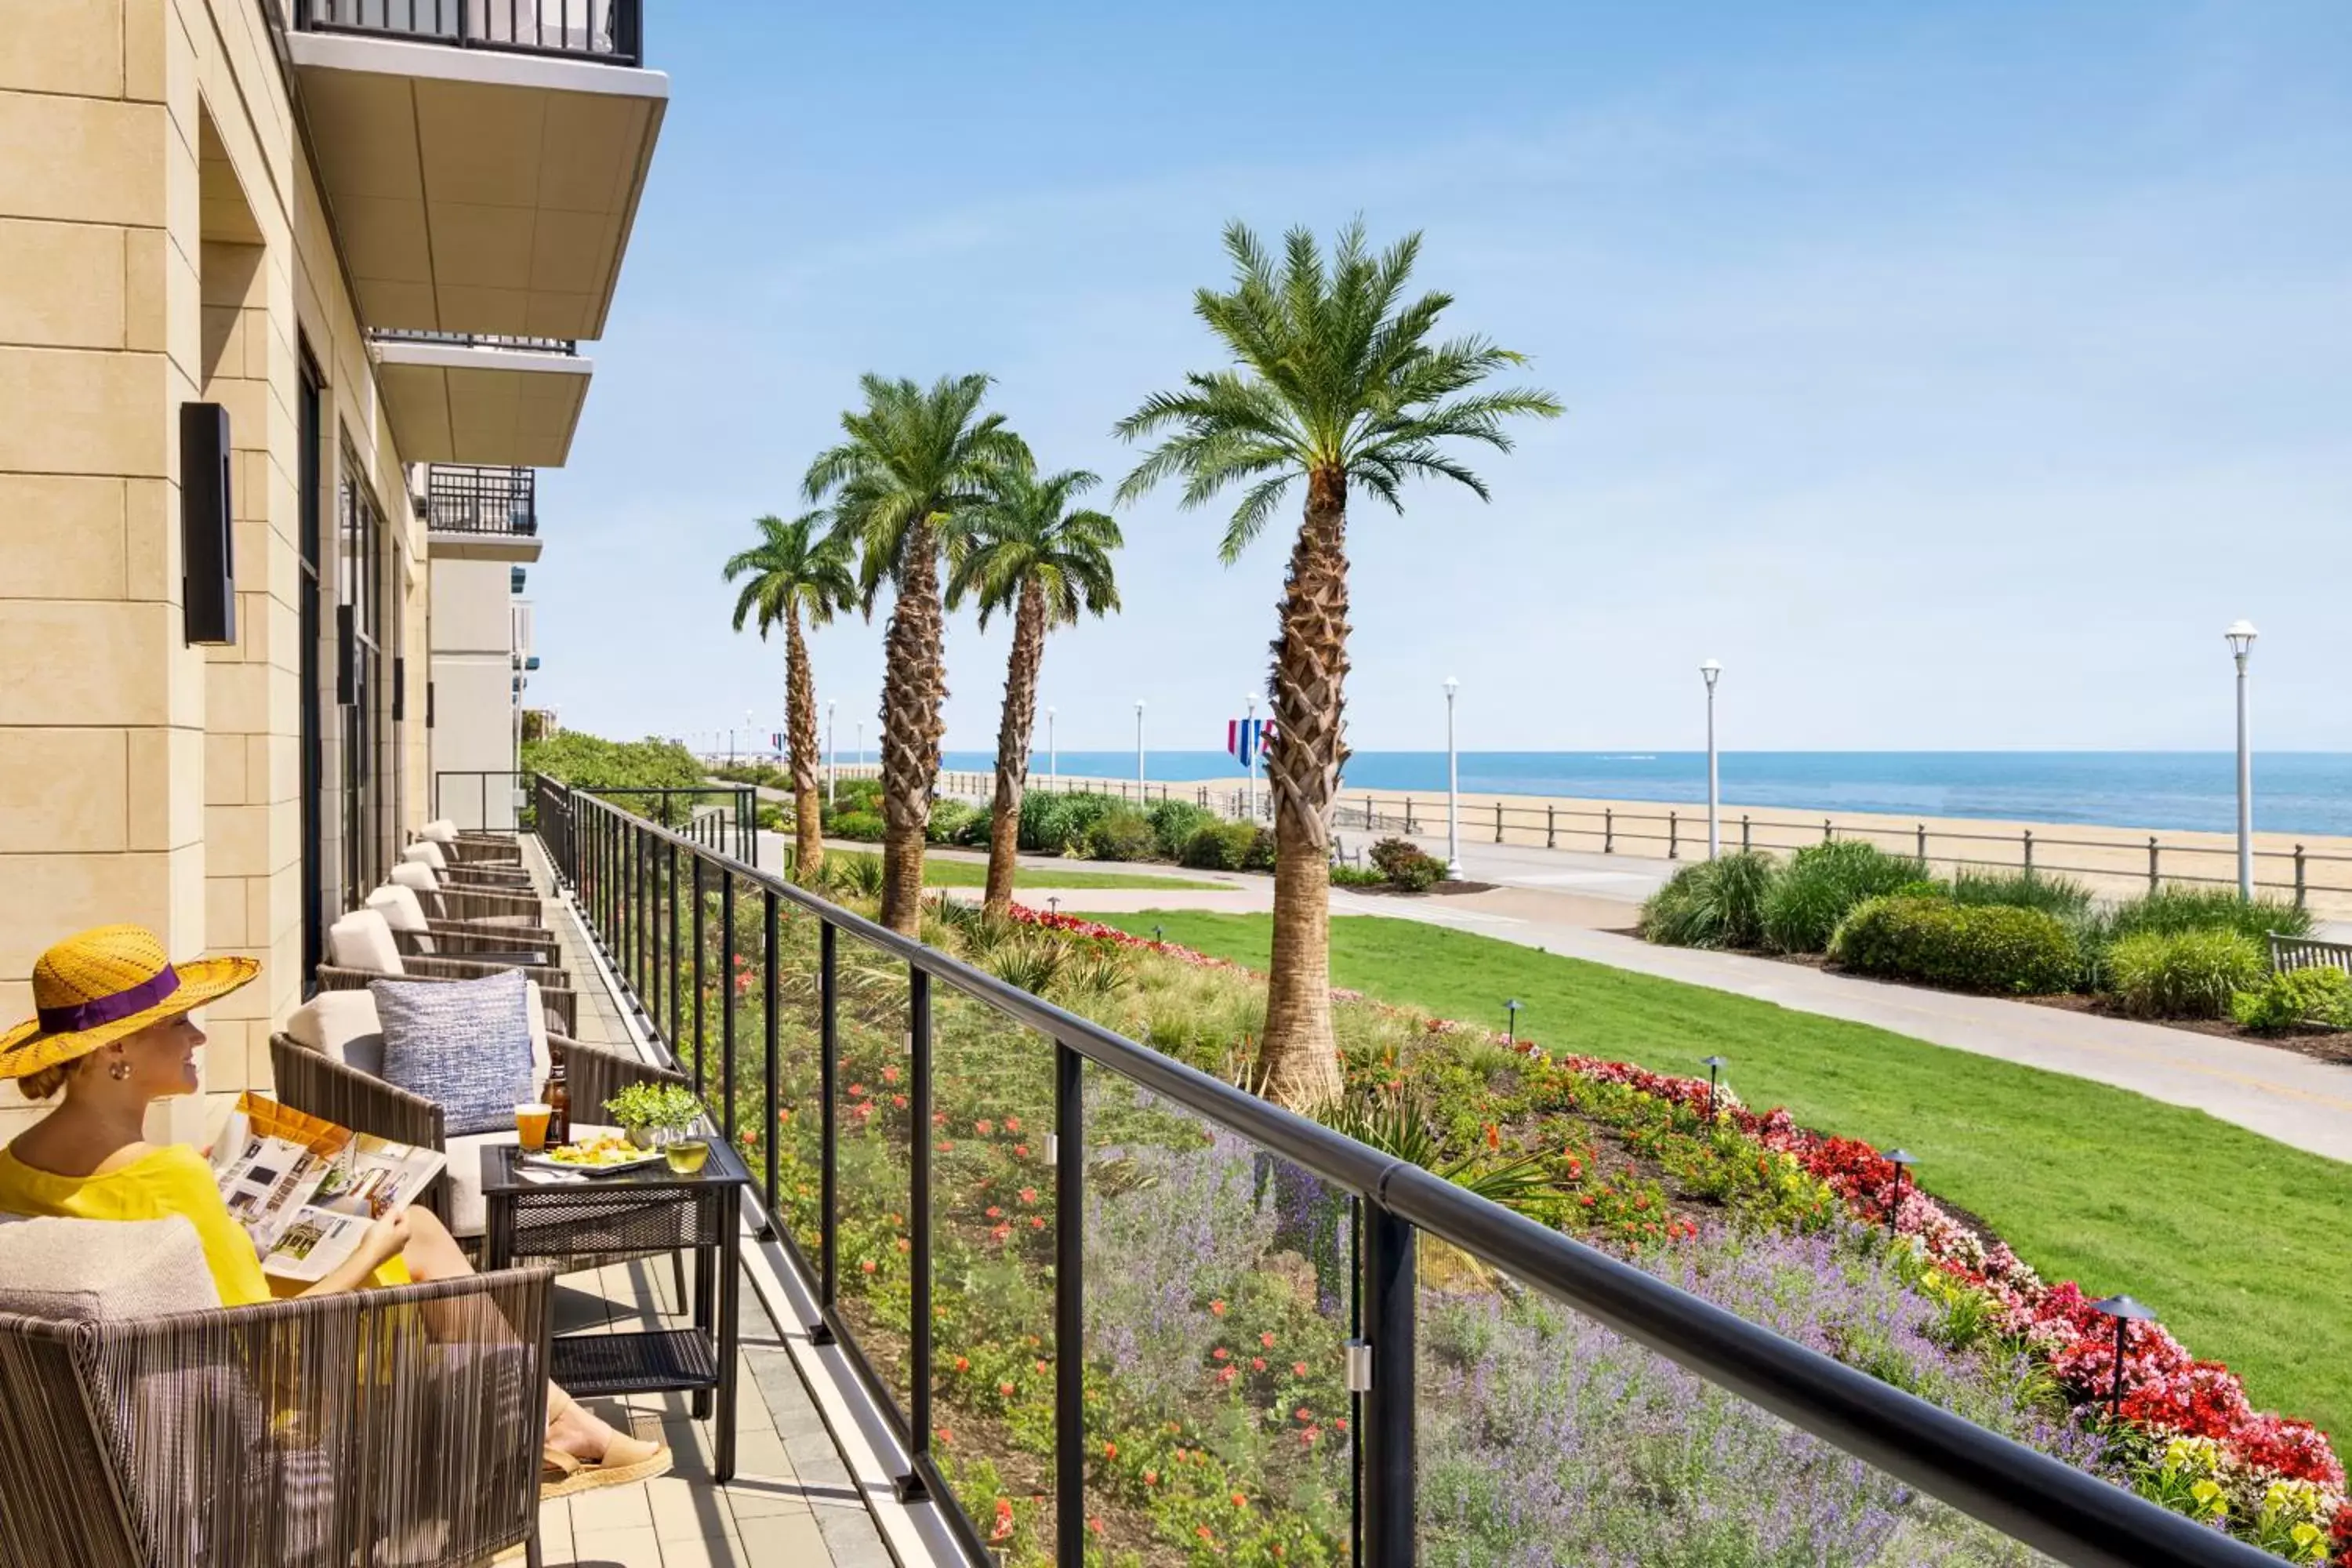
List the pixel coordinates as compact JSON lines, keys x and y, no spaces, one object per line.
{"x":875,"y":1157}
{"x":1545,"y":1437}
{"x":994,"y":1357}
{"x":1219,"y":1297}
{"x":797,"y":1124}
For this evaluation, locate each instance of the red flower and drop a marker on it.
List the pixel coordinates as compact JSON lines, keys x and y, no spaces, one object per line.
{"x":890,"y":1075}
{"x":983,"y":1127}
{"x":1012,"y":1124}
{"x":1221,"y":1353}
{"x":869,"y":1266}
{"x":1028,"y":1195}
{"x":1299,"y":1369}
{"x":964,"y":1364}
{"x":856,"y":1089}
{"x":1005,"y":1389}
{"x":995,"y":1213}
{"x":1257,"y":1363}
{"x":1218,"y":1307}
{"x":1036,"y":1221}
{"x":1021,"y":1150}
{"x":945,"y":1436}
{"x":1151,"y":1477}
{"x":1004,"y":1531}
{"x":1267,"y":1339}
{"x":1110,"y":1450}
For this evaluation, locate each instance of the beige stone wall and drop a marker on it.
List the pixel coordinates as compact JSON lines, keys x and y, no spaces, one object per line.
{"x":163,"y":240}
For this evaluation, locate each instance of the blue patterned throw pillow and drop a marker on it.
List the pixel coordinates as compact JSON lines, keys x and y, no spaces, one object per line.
{"x":464,"y":1045}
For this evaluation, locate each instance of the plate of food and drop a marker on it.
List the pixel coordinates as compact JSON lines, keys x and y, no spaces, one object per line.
{"x":595,"y":1156}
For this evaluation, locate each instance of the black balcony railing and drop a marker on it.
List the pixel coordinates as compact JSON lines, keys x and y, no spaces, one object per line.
{"x":1013,"y":1220}
{"x":608,"y":31}
{"x":475,"y":340}
{"x":460,"y":499}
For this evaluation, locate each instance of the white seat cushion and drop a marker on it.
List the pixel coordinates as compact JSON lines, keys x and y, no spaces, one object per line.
{"x":342,"y":1027}
{"x":463,"y":1209}
{"x":427,"y":855}
{"x":403,"y":912}
{"x":361,"y":940}
{"x":88,"y":1270}
{"x":416,"y":875}
{"x":441,"y":830}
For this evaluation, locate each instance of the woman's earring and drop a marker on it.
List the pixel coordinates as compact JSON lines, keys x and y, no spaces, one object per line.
{"x":117,"y":1071}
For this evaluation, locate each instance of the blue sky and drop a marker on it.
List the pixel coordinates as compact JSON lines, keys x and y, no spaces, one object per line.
{"x":1952,"y":373}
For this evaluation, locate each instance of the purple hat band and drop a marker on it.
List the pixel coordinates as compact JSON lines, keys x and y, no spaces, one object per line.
{"x":81,"y":1016}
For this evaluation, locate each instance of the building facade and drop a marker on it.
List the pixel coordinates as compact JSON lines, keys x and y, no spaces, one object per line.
{"x":373,"y":234}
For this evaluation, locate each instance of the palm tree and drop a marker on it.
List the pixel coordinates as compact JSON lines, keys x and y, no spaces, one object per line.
{"x":1027,"y":553}
{"x":796,"y":570}
{"x":914,"y":465}
{"x":1335,"y":381}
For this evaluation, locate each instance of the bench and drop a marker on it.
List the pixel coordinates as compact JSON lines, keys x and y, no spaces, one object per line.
{"x":2289,"y":953}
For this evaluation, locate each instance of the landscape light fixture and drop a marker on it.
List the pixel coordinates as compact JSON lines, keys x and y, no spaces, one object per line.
{"x":2125,"y":1312}
{"x":1453,"y":790}
{"x":1160,"y":935}
{"x":1902,"y":1160}
{"x":1714,"y":1065}
{"x":1511,"y":1021}
{"x":1053,"y":906}
{"x":1708,"y":670}
{"x":2241,"y":637}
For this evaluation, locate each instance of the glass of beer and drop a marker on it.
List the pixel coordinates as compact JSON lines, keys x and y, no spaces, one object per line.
{"x":530,"y":1125}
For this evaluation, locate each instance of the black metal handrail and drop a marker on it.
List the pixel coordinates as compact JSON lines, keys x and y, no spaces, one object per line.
{"x":462,"y":499}
{"x":629,"y":876}
{"x":475,"y":340}
{"x":608,"y":32}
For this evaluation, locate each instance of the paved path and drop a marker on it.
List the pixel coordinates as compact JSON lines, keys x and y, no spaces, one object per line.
{"x":2295,"y":1099}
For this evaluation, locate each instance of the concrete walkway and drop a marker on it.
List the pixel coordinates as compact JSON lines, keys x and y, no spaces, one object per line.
{"x":2297,"y":1099}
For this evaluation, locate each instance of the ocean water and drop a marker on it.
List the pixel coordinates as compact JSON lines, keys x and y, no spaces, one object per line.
{"x":2295,"y":791}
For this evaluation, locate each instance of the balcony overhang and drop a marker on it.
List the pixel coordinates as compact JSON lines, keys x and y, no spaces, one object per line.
{"x":442,"y":545}
{"x":475,"y":190}
{"x":460,"y":402}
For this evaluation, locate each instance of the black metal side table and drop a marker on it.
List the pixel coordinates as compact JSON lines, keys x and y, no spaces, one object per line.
{"x":649,"y":1209}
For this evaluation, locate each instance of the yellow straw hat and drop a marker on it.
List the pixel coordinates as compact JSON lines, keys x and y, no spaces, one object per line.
{"x":94,"y":989}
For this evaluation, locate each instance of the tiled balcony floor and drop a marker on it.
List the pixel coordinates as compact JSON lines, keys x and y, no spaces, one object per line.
{"x":795,"y":1503}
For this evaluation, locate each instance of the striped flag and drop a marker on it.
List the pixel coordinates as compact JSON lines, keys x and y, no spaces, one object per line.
{"x":1245,"y":738}
{"x":775,"y":740}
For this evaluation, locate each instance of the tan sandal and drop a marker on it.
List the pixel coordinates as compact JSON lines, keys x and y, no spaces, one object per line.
{"x":627,"y":1460}
{"x":560,"y":1475}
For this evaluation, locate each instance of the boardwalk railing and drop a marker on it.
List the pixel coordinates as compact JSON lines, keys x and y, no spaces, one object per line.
{"x":1674,"y":833}
{"x":1005,"y":1211}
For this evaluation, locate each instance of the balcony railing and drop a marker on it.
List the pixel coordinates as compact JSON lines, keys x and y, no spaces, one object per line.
{"x":475,"y":341}
{"x":463,"y":499}
{"x":1015,"y":1221}
{"x":610,"y":32}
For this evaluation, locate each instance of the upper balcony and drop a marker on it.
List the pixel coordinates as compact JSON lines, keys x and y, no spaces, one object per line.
{"x":474,"y":513}
{"x":483,"y":158}
{"x":463,"y":397}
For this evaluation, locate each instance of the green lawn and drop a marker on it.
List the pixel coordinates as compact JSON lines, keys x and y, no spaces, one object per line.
{"x":940,"y":872}
{"x":2240,"y":1243}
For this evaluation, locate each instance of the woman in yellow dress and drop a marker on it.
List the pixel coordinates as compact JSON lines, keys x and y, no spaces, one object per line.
{"x":113,"y":1033}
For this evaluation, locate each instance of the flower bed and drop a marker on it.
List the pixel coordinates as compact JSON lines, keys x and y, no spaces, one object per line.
{"x":1216,"y":1303}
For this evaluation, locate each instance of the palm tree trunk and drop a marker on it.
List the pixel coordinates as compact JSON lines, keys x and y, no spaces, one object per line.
{"x":800,"y":727}
{"x":914,"y":687}
{"x":1012,"y":734}
{"x":1298,"y":1061}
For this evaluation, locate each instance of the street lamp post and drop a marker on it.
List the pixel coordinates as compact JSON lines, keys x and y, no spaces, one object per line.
{"x":1138,"y":748}
{"x":832,"y":751}
{"x":2240,"y":639}
{"x":1453,"y":790}
{"x":1053,"y":757}
{"x":1709,"y":670}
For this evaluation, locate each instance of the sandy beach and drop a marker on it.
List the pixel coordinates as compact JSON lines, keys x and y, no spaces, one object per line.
{"x":2116,"y":861}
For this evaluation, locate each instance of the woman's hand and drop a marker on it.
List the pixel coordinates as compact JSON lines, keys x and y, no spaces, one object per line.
{"x":385,"y":1240}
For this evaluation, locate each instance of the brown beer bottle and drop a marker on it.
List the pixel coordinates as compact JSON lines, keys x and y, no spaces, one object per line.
{"x":559,"y":1107}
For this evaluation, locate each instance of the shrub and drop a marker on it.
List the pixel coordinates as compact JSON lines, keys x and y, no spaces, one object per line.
{"x":856,"y":795}
{"x":1406,"y":865}
{"x":864,"y":826}
{"x":1357,"y":877}
{"x":2178,"y":908}
{"x":2296,"y":999}
{"x":1996,"y":948}
{"x":1823,"y":882}
{"x":1714,"y":903}
{"x":770,"y":817}
{"x":1230,"y":847}
{"x":1173,"y":822}
{"x":950,"y":819}
{"x":2183,"y":973}
{"x":1056,"y":824}
{"x":2060,"y":896}
{"x":1121,"y":835}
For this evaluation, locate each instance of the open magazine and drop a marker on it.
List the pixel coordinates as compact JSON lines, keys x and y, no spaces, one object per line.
{"x":306,"y":1190}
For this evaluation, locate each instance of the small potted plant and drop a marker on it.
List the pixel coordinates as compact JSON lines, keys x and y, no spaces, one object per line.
{"x":662,"y":1116}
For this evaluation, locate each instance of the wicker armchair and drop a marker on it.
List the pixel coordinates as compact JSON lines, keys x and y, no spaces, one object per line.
{"x":497,"y":906}
{"x":454,"y":872}
{"x":561,"y":1003}
{"x":469,"y":940}
{"x":314,"y":1082}
{"x":401,"y":1426}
